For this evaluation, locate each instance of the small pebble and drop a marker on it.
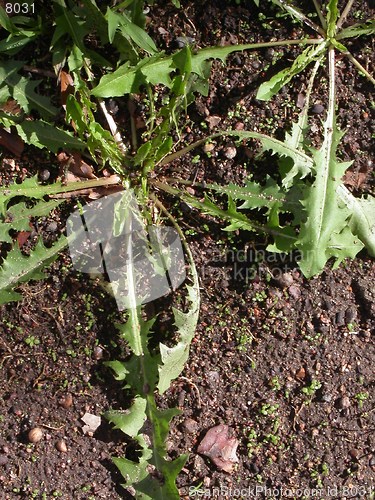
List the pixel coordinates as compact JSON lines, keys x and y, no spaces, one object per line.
{"x":44,"y":175}
{"x":51,"y":228}
{"x":354,"y":453}
{"x":35,"y":435}
{"x":61,"y":446}
{"x":207,"y":148}
{"x":67,"y":401}
{"x":317,"y":109}
{"x":327,"y":398}
{"x":97,"y":353}
{"x":344,"y":402}
{"x":350,"y":315}
{"x":269,"y":54}
{"x":239,"y":126}
{"x":3,"y":459}
{"x":301,"y":373}
{"x":230,"y":152}
{"x":191,"y":425}
{"x":284,"y":280}
{"x":182,"y":41}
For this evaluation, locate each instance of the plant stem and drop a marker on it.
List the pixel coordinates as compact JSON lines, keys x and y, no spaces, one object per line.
{"x":293,"y":11}
{"x":344,"y":14}
{"x":331,"y":98}
{"x":318,"y":9}
{"x":193,"y":269}
{"x":112,"y":126}
{"x":359,"y":66}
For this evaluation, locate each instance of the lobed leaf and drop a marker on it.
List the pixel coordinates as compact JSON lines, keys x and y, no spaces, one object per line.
{"x":17,"y":268}
{"x":129,"y":30}
{"x":131,"y":421}
{"x":332,"y":17}
{"x":19,"y":215}
{"x":157,"y":69}
{"x":45,"y":135}
{"x":367,"y":28}
{"x":173,"y":359}
{"x":361,"y":216}
{"x":326,"y":219}
{"x":272,"y":87}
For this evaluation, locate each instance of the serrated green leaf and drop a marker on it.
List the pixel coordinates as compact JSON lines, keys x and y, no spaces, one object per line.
{"x":4,"y":94}
{"x":24,"y":93}
{"x":113,"y":23}
{"x":157,"y":69}
{"x":127,"y":79}
{"x":133,"y":472}
{"x":142,"y":153}
{"x":6,"y":22}
{"x":137,"y":35}
{"x":45,"y":135}
{"x":131,"y":421}
{"x":332,"y":17}
{"x":272,"y":87}
{"x":173,"y":359}
{"x":30,"y":188}
{"x":17,"y":268}
{"x":127,"y":333}
{"x":362,"y":216}
{"x":96,"y":20}
{"x":8,"y":69}
{"x":201,"y":57}
{"x":19,"y":215}
{"x":290,"y":168}
{"x":119,"y":368}
{"x":237,"y":220}
{"x":339,"y":46}
{"x":367,"y":28}
{"x":16,"y":43}
{"x":326,"y":219}
{"x":301,"y":159}
{"x":69,"y":23}
{"x":74,"y":113}
{"x":151,"y":488}
{"x":253,"y":194}
{"x":129,"y":30}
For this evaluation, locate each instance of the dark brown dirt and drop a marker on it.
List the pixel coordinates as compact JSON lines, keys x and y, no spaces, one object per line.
{"x":285,"y":362}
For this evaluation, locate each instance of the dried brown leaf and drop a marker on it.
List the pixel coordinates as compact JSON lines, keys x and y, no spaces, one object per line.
{"x":220,"y":447}
{"x":12,"y":142}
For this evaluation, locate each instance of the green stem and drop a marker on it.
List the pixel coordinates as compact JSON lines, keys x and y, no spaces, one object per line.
{"x":344,"y":14}
{"x":330,"y":123}
{"x":293,"y":11}
{"x":216,"y":52}
{"x":318,"y":9}
{"x":359,"y":66}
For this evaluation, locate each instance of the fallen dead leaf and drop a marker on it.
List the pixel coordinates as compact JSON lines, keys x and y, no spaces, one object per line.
{"x":66,"y":86}
{"x":219,"y":447}
{"x":12,"y":142}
